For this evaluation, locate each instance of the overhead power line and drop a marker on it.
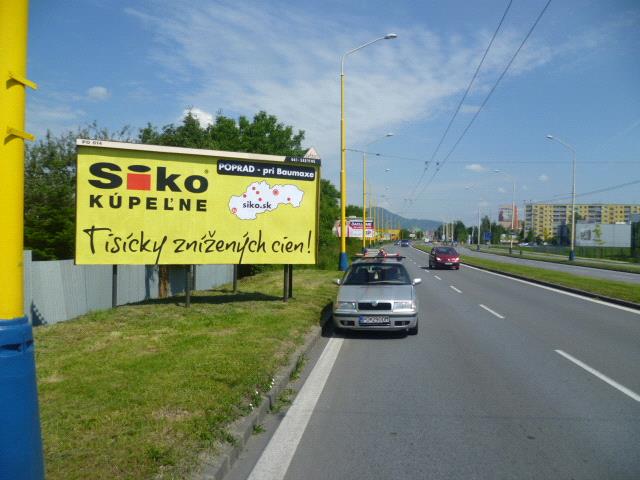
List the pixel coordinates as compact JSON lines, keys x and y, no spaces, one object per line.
{"x":593,"y":192}
{"x":475,"y":74}
{"x":504,"y":72}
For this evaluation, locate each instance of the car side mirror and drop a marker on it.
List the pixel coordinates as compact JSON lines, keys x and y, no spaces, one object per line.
{"x":417,"y":281}
{"x":337,"y":281}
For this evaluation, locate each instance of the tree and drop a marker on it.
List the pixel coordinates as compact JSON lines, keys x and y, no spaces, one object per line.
{"x":263,"y":134}
{"x":460,"y":232}
{"x":354,"y":211}
{"x":49,"y":194}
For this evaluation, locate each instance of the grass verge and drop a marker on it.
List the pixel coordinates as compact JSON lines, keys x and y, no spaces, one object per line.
{"x":139,"y":391}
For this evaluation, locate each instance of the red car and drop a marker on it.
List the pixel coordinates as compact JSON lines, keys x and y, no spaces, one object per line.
{"x":446,"y":257}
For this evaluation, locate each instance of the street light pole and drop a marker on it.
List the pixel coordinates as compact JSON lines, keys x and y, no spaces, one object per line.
{"x":572,"y":252}
{"x":513,"y":207}
{"x":343,"y":260}
{"x":364,"y":189}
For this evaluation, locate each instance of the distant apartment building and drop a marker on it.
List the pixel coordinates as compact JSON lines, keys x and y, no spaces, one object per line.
{"x":546,"y":219}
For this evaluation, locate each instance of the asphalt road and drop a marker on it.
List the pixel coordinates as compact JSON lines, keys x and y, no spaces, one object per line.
{"x":561,"y":267}
{"x":504,"y":380}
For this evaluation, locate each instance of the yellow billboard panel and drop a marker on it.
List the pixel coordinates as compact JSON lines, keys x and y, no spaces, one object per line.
{"x":146,"y":204}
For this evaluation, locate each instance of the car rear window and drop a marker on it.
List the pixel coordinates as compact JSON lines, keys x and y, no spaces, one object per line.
{"x":376,"y":274}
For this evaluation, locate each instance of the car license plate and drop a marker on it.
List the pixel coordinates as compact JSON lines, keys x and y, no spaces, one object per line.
{"x":448,"y":263}
{"x":373,"y":320}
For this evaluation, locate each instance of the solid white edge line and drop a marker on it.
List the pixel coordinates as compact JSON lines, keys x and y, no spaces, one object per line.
{"x":455,"y":289}
{"x":493,"y":312}
{"x":276,"y":457}
{"x":601,"y":376}
{"x":570,"y":294}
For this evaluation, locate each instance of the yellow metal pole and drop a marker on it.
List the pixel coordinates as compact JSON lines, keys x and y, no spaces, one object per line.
{"x":343,"y":262}
{"x":20,"y":440}
{"x":13,"y":55}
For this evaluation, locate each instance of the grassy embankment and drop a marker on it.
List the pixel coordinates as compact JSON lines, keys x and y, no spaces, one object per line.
{"x":138,"y":391}
{"x":615,"y":289}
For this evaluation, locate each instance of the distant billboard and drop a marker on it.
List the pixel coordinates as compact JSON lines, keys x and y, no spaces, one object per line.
{"x":354,"y":228}
{"x":603,"y":235}
{"x":505,"y":216}
{"x":147,"y":204}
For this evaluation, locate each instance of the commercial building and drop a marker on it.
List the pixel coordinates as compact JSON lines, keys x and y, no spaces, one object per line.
{"x":546,"y":219}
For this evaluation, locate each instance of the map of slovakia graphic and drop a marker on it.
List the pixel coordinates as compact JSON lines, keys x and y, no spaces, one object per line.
{"x":260,"y":197}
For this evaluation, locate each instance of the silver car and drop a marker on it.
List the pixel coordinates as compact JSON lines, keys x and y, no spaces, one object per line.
{"x":377,"y":294}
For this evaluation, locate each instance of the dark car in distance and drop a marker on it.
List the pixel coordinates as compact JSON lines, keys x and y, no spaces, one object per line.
{"x":404,"y":243}
{"x":446,"y":257}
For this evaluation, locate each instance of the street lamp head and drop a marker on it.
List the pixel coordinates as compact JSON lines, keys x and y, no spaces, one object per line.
{"x":390,"y":36}
{"x":550,"y":137}
{"x":390,"y":134}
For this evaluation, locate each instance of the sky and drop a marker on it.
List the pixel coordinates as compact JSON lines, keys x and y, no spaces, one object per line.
{"x":122,"y":63}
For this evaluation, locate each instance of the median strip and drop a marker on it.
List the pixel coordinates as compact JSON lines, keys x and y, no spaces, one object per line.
{"x":613,"y":291}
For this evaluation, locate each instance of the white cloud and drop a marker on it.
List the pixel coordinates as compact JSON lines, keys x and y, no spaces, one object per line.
{"x":205,"y":118}
{"x":483,"y":203}
{"x":543,"y":178}
{"x":97,"y":93}
{"x":502,"y":190}
{"x":525,"y":187}
{"x":235,"y":56}
{"x":475,"y":167}
{"x":469,"y":108}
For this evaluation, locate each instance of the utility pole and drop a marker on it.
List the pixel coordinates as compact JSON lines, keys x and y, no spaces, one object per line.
{"x":478,"y":245}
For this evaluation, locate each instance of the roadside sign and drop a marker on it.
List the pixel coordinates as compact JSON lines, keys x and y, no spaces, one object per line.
{"x":148,"y":204}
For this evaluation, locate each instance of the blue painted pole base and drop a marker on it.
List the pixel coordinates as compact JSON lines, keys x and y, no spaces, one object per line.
{"x":20,"y":438}
{"x":572,"y":255}
{"x":344,"y":261}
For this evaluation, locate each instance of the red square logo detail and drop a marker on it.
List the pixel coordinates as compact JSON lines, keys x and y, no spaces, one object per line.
{"x":138,"y":181}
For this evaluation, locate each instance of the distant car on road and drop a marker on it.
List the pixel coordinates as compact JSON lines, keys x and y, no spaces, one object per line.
{"x":377,"y":294}
{"x":404,"y":243}
{"x":444,"y":257}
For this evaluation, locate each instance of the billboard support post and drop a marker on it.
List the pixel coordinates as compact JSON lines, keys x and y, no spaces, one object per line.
{"x":235,"y":278}
{"x":20,"y":437}
{"x":290,"y":281}
{"x":187,"y":289}
{"x":285,"y":290}
{"x":114,"y":286}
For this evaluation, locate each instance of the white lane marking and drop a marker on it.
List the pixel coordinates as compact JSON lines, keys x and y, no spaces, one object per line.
{"x":601,"y":376}
{"x":276,"y":458}
{"x":455,"y":289}
{"x":493,"y":312}
{"x":436,"y":276}
{"x":570,"y":294}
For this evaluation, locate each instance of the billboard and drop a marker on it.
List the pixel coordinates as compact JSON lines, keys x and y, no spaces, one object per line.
{"x":354,"y":228}
{"x":147,"y":204}
{"x":505,"y":216}
{"x":603,"y":235}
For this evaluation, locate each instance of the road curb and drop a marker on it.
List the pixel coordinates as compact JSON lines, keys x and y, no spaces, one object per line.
{"x":577,"y":291}
{"x":216,"y":467}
